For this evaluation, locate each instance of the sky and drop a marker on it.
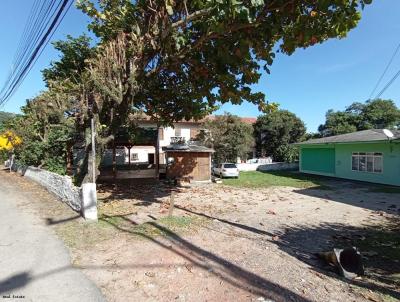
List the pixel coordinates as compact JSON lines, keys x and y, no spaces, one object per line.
{"x":325,"y":76}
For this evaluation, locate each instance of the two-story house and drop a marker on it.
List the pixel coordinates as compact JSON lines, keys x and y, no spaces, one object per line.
{"x":181,"y":132}
{"x":145,"y":153}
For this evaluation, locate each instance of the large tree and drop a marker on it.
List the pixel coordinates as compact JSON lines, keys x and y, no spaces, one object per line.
{"x":229,"y":136}
{"x":275,"y":132}
{"x":372,"y":114}
{"x":178,"y":60}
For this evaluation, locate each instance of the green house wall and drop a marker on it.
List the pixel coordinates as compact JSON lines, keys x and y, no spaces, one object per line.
{"x":312,"y":162}
{"x":320,"y":160}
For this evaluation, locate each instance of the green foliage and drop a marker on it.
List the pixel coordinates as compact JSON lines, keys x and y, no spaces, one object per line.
{"x":45,"y":131}
{"x":179,"y":59}
{"x":375,"y":114}
{"x":275,"y":132}
{"x":229,"y":136}
{"x":71,"y":65}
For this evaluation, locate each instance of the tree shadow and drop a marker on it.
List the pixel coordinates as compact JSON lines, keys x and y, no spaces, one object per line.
{"x":359,"y":195}
{"x":382,"y":243}
{"x":147,"y":191}
{"x":366,"y":195}
{"x":231,"y":223}
{"x":216,"y":265}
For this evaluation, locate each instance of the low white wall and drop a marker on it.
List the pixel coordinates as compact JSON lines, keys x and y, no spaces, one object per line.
{"x":61,"y":186}
{"x":268,"y":167}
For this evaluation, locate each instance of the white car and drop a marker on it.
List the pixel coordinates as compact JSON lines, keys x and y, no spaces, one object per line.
{"x":226,"y":170}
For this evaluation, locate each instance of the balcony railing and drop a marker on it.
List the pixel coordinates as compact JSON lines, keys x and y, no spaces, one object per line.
{"x":178,"y":140}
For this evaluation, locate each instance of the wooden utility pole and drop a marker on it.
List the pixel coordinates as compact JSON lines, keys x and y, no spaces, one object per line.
{"x":93,"y":150}
{"x":158,"y":151}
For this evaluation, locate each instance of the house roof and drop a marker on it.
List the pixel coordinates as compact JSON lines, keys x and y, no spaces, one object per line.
{"x":370,"y":135}
{"x":187,"y":148}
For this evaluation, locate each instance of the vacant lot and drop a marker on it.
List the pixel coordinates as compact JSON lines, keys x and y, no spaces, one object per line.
{"x":233,"y":243}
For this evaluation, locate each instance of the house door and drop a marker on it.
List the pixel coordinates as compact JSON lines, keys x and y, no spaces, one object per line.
{"x":151,"y":158}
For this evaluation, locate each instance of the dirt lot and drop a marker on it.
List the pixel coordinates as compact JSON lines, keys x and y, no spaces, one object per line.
{"x":232,"y":244}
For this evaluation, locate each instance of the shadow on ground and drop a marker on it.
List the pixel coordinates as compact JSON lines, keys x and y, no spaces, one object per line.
{"x":380,"y":247}
{"x":148,"y":191}
{"x":218,"y":266}
{"x":370,"y":196}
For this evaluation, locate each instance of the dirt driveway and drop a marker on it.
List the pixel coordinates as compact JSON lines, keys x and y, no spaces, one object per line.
{"x":234,"y":244}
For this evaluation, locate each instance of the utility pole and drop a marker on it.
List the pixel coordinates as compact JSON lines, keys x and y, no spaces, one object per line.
{"x":93,"y":149}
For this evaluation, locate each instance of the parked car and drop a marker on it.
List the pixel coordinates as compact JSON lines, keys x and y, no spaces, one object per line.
{"x":226,"y":170}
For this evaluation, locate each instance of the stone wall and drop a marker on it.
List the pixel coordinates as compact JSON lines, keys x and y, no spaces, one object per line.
{"x":59,"y":185}
{"x":269,"y":167}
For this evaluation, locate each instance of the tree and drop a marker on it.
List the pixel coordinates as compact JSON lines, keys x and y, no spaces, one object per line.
{"x":275,"y":132}
{"x":374,"y":114}
{"x":380,"y":114}
{"x":178,"y":60}
{"x":338,"y":123}
{"x":8,"y":141}
{"x":45,"y":128}
{"x":229,"y":136}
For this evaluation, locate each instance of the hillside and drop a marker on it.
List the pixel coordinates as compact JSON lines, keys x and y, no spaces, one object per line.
{"x":5,"y":116}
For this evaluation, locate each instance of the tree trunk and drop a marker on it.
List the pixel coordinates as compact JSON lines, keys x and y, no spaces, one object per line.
{"x":158,"y":152}
{"x":129,"y":156}
{"x":69,"y":158}
{"x":114,"y":164}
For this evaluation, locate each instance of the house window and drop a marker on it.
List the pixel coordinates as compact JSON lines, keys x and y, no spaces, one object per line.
{"x":178,"y":132}
{"x":194,"y":133}
{"x":367,"y":162}
{"x":134,"y":157}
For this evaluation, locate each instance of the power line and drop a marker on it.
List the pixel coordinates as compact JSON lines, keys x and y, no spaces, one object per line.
{"x":37,"y":32}
{"x":24,"y":73}
{"x":42,"y":24}
{"x":388,"y":84}
{"x":31,"y":28}
{"x":385,"y":70}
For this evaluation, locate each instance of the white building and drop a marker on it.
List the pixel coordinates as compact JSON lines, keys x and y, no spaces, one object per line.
{"x":145,"y":154}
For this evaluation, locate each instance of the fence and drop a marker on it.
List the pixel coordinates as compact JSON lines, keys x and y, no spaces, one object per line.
{"x":268,"y":167}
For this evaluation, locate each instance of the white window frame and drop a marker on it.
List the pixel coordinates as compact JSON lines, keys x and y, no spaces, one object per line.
{"x":372,"y":155}
{"x":137,"y":156}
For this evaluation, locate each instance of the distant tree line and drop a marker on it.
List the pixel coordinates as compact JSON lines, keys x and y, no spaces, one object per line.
{"x":374,"y":114}
{"x":272,"y":135}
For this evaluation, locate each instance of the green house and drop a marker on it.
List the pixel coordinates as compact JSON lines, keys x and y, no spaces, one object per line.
{"x":369,"y":155}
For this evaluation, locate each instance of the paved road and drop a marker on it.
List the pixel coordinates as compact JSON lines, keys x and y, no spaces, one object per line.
{"x":34,"y":263}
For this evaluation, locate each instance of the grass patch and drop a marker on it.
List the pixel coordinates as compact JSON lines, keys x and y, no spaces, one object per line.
{"x":161,"y":227}
{"x":83,"y":234}
{"x":167,"y":225}
{"x":256,"y":179}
